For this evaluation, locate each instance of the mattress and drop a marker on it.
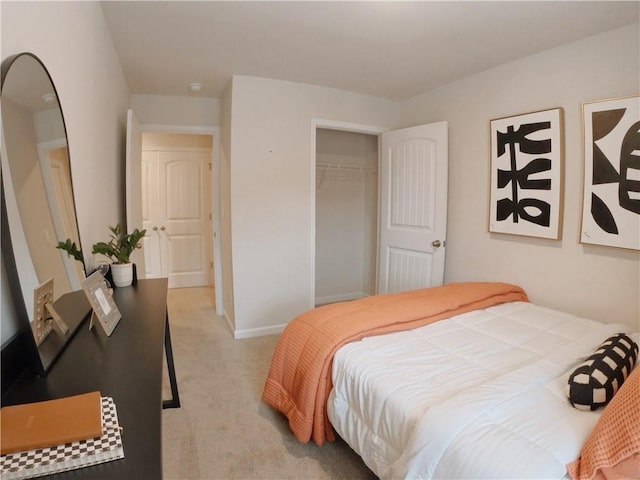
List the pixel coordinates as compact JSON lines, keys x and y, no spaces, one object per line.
{"x":478,"y":395}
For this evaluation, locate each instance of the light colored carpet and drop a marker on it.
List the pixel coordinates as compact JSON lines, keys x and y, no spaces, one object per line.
{"x":223,"y":430}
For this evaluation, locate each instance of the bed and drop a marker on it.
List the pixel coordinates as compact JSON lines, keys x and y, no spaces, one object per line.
{"x":471,"y":388}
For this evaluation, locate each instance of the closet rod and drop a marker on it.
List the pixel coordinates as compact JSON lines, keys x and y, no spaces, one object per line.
{"x":351,"y":168}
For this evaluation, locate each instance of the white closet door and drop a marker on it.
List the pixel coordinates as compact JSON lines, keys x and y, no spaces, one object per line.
{"x":185,"y":222}
{"x":150,"y":193}
{"x":176,"y":199}
{"x":413,"y":208}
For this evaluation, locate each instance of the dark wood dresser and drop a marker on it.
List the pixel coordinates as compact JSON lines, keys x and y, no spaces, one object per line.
{"x":128,"y":366}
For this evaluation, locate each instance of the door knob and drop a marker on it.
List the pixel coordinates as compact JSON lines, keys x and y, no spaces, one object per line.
{"x":163,"y":228}
{"x":436,"y":243}
{"x":155,"y":228}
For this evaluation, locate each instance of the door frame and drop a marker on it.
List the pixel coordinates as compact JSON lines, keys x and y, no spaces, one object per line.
{"x":345,"y":127}
{"x":215,"y":196}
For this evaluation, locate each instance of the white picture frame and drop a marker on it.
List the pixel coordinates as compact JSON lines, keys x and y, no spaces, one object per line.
{"x":527,"y":162}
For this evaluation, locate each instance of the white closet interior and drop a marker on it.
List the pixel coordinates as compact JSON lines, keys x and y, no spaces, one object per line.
{"x":346,"y":215}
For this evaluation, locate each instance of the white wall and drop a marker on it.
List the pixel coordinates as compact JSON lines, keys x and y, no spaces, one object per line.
{"x":72,"y":40}
{"x":272,"y":194}
{"x":174,"y":110}
{"x":594,"y":281}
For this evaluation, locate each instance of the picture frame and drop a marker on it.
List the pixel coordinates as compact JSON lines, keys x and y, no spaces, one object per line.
{"x":611,"y":194}
{"x":527,"y":165}
{"x":101,"y":299}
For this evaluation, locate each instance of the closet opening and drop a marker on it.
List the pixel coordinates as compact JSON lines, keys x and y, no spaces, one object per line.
{"x":346,"y":215}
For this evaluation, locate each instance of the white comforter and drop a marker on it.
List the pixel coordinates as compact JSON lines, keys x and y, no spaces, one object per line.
{"x":479,"y":395}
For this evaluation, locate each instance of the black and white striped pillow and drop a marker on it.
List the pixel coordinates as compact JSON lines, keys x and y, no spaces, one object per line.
{"x":594,"y":383}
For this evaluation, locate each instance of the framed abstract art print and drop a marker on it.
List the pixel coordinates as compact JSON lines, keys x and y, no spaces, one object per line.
{"x":526,"y":174}
{"x":611,"y":203}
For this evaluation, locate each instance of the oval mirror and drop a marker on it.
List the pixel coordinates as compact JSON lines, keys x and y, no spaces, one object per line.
{"x":39,"y":203}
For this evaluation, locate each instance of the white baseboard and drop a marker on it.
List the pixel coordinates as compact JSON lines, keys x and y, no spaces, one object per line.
{"x":343,"y":297}
{"x":258,"y":332}
{"x":252,"y":332}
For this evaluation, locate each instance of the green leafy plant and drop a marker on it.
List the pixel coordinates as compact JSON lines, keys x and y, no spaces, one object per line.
{"x":120,"y":245}
{"x":72,"y":249}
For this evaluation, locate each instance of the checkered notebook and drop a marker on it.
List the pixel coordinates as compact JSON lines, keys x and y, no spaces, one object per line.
{"x":45,"y":461}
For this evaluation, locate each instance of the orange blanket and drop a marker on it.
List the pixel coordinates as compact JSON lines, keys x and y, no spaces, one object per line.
{"x":299,"y":379}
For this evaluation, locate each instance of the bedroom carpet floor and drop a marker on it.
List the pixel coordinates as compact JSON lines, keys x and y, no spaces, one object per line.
{"x":223,"y":430}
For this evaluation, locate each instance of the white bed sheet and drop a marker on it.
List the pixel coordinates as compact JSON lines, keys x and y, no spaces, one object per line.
{"x":479,"y":395}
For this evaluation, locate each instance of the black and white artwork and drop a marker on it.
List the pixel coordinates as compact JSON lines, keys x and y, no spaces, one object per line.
{"x":611,"y":206}
{"x":526,"y":174}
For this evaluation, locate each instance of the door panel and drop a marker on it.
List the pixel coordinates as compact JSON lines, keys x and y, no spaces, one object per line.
{"x":186,"y":259}
{"x":407,"y":268}
{"x":183,"y":186}
{"x":413,"y":207}
{"x":412,"y":167}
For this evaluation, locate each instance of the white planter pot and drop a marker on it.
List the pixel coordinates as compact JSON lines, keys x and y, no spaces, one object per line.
{"x":122,"y":274}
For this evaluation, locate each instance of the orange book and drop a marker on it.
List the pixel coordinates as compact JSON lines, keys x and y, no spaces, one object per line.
{"x":50,"y":423}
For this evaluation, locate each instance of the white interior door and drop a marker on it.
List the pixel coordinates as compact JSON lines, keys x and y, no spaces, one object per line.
{"x":177,"y":216}
{"x":413,"y":207}
{"x":133,"y":190}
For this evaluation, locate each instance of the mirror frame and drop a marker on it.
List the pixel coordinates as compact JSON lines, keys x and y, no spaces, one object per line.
{"x":73,"y":307}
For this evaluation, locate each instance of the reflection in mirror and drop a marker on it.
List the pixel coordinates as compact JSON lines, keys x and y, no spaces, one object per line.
{"x":38,"y":190}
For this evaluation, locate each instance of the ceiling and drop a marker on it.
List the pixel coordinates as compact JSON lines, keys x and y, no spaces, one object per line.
{"x":389,"y":49}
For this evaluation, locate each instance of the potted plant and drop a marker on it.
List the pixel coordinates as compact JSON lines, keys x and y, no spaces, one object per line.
{"x":119,"y":249}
